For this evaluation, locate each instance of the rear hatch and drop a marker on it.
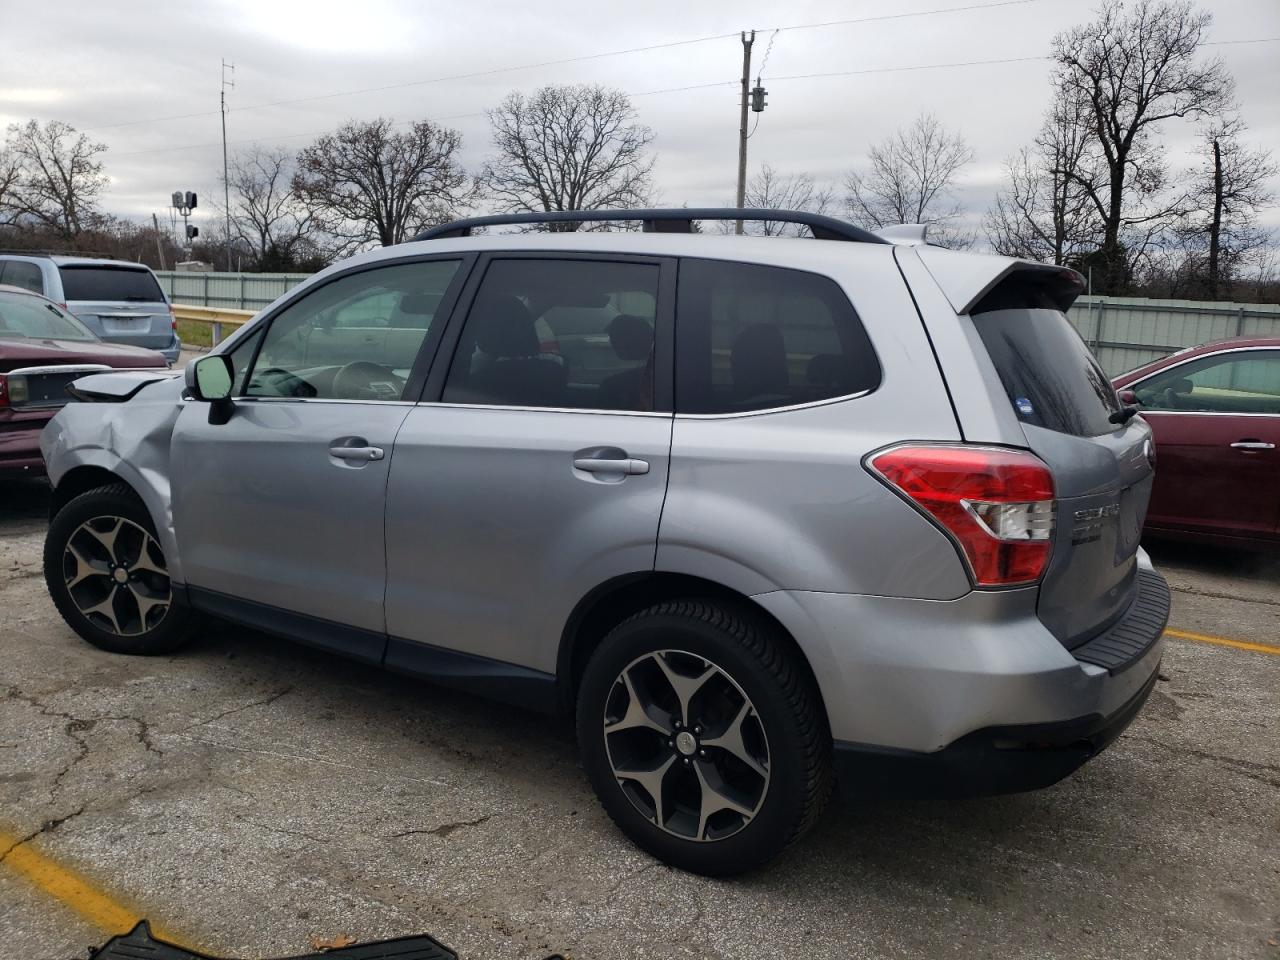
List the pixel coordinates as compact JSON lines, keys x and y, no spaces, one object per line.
{"x":120,"y":303}
{"x":1102,"y":470}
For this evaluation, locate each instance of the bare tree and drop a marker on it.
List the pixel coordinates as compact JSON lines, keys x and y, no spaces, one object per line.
{"x":770,"y":190}
{"x":911,"y":178}
{"x":568,"y":148}
{"x":10,"y":170}
{"x":267,"y":214}
{"x":59,"y":176}
{"x":1232,"y":185}
{"x":1135,"y":66}
{"x":1042,"y":213}
{"x":371,"y":183}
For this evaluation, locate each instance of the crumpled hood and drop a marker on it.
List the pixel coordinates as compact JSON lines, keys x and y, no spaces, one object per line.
{"x":117,"y":387}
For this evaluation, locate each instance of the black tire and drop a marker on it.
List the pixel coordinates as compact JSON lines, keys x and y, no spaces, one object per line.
{"x":157,"y":630}
{"x":763,"y":668}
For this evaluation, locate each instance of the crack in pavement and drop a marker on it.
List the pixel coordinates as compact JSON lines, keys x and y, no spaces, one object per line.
{"x":444,"y":829}
{"x":74,"y":726}
{"x":1220,"y":595}
{"x":240,"y":709}
{"x":46,"y":827}
{"x":1249,"y":768}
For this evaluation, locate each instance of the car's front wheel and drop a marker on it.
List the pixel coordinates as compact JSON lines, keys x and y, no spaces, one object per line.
{"x":108,"y":576}
{"x":704,"y":737}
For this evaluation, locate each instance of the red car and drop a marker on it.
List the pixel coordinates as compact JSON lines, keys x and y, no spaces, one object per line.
{"x":42,"y":349}
{"x":1215,"y":414}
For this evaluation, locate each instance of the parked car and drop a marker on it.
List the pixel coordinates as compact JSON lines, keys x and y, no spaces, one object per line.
{"x":1214,"y":412}
{"x":42,"y":350}
{"x":121,"y":302}
{"x":771,"y":510}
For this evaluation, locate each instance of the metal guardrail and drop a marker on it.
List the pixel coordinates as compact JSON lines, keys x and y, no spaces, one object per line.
{"x":216,"y":317}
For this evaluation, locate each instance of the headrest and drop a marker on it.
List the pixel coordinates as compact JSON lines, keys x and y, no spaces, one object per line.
{"x":631,"y":337}
{"x":504,"y":328}
{"x":419,"y":304}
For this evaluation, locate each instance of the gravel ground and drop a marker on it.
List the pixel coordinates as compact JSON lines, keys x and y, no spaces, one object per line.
{"x":250,"y":795}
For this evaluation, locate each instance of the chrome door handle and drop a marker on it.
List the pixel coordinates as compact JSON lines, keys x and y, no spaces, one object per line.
{"x":356,"y":453}
{"x":1252,"y":445}
{"x":627,"y":465}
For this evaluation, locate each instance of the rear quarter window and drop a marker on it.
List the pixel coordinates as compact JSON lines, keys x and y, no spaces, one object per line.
{"x":753,"y":337}
{"x":1051,"y":378}
{"x":110,"y":283}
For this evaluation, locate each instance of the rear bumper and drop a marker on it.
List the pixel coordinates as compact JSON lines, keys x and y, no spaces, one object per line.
{"x":20,"y":448}
{"x":918,"y":677}
{"x":994,"y":760}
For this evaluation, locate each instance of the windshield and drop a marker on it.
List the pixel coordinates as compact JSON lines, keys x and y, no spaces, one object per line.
{"x":110,"y":283}
{"x":38,"y":319}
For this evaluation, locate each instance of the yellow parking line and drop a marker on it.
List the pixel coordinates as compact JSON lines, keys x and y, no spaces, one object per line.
{"x":64,"y":885}
{"x":1225,"y":642}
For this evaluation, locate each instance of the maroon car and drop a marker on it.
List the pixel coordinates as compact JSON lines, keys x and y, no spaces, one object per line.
{"x":1215,"y":414}
{"x":42,"y":349}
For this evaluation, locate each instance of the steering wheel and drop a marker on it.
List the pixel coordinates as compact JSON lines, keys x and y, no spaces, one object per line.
{"x":365,"y":380}
{"x":283,"y":383}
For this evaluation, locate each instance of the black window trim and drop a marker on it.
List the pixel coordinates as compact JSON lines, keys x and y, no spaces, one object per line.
{"x":426,"y":353}
{"x":1203,"y":356}
{"x":663,"y":320}
{"x":808,"y":404}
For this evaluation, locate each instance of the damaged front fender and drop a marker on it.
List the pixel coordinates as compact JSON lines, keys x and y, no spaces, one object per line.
{"x":129,"y":439}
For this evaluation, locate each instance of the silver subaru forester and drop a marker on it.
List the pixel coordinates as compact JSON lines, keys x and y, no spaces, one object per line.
{"x":763,"y":514}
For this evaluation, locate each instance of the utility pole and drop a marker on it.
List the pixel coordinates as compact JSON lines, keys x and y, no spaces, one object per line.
{"x":747,"y":41}
{"x":226,"y":186}
{"x":155,"y":222}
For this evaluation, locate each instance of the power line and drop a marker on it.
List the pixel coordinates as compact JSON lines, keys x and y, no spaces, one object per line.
{"x":695,"y":86}
{"x":919,"y":66}
{"x":564,"y":60}
{"x":969,"y":63}
{"x":452,"y":116}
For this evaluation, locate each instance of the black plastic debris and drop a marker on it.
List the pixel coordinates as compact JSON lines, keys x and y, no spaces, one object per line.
{"x":139,"y":944}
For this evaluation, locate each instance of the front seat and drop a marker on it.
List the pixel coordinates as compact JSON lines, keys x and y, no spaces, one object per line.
{"x":515,"y":374}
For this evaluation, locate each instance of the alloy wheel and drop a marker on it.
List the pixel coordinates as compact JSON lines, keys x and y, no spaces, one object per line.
{"x":116,"y":576}
{"x":686,"y":745}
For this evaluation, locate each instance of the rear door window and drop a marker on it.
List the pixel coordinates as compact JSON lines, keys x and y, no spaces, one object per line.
{"x":1051,"y":378}
{"x":110,"y":284}
{"x":542,"y":332}
{"x":751,"y":337}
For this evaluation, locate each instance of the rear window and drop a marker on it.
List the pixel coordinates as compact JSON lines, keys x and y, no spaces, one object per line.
{"x":1051,"y":378}
{"x":110,"y":283}
{"x":38,"y":319}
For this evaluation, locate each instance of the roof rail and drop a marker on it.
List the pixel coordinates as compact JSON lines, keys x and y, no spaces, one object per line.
{"x":672,"y":220}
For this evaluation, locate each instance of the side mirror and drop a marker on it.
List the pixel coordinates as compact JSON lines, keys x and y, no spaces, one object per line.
{"x":210,"y":379}
{"x":1128,"y":398}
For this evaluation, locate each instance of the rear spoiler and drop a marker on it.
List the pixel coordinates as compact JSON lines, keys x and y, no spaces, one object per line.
{"x":974,"y":282}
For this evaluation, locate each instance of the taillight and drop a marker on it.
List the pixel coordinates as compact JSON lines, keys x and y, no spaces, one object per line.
{"x":996,"y":504}
{"x":173,"y":318}
{"x":4,"y":391}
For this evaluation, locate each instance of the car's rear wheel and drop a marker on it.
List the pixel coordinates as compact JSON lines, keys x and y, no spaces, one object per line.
{"x":704,"y":737}
{"x":108,"y":576}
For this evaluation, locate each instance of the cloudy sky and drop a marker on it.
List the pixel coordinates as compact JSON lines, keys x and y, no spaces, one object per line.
{"x":143,"y":78}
